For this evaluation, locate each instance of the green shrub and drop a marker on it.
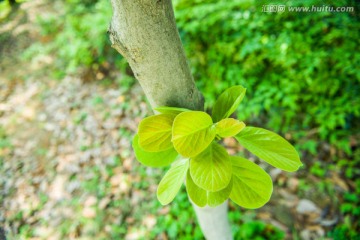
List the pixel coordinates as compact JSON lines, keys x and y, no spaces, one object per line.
{"x":77,"y":37}
{"x":300,"y":69}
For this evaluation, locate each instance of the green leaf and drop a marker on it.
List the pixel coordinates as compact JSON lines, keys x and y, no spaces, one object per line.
{"x":270,"y":147}
{"x":170,"y":185}
{"x":228,"y":102}
{"x":171,"y":110}
{"x":229,"y":127}
{"x":217,"y":198}
{"x":193,"y":131}
{"x":153,"y":159}
{"x":155,"y":133}
{"x":196,"y":194}
{"x":252,"y":186}
{"x":202,"y":197}
{"x":211,"y":170}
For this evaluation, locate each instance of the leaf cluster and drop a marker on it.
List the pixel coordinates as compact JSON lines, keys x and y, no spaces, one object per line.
{"x":190,"y":142}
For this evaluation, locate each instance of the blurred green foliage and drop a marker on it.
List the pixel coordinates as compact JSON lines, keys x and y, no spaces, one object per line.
{"x":77,"y":38}
{"x":350,"y":204}
{"x":300,"y":69}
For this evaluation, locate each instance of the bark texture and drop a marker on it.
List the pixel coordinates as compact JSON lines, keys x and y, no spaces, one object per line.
{"x":145,"y":33}
{"x":214,"y":222}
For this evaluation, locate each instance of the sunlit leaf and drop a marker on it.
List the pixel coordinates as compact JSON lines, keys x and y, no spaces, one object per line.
{"x":192,"y":132}
{"x":270,"y":147}
{"x":216,"y":198}
{"x":211,"y":170}
{"x":229,"y":127}
{"x":171,"y":110}
{"x":228,"y":102}
{"x":202,"y":197}
{"x":153,"y":159}
{"x":170,"y":185}
{"x":252,"y":186}
{"x":196,"y":194}
{"x":155,"y":132}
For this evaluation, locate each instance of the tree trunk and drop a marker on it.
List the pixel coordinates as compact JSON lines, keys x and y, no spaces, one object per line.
{"x":214,"y":221}
{"x":145,"y":33}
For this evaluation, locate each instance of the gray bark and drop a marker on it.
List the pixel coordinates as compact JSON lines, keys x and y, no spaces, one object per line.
{"x":214,"y":221}
{"x":145,"y":33}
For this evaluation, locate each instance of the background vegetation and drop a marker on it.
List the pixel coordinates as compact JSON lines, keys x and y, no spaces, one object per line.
{"x":301,"y":71}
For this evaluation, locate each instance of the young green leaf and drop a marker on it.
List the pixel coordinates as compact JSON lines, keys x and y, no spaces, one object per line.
{"x":270,"y":147}
{"x":202,"y":197}
{"x":216,"y":198}
{"x":153,"y":159}
{"x":170,"y":185}
{"x":155,"y":132}
{"x":192,"y":131}
{"x":211,"y":169}
{"x":171,"y":110}
{"x":228,"y":102}
{"x":252,"y":186}
{"x":229,"y":127}
{"x":196,"y":194}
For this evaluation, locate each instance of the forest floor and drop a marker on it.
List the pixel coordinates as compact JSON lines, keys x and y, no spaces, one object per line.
{"x":67,"y":169}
